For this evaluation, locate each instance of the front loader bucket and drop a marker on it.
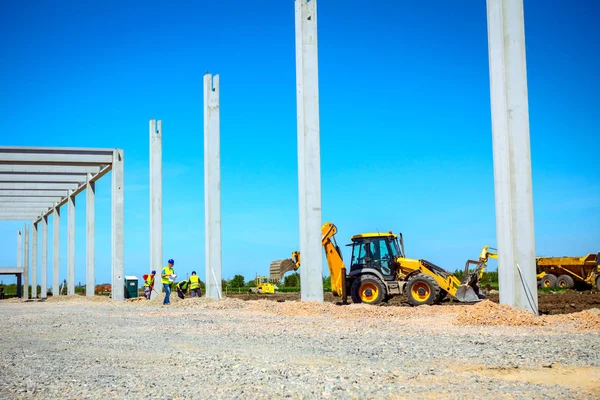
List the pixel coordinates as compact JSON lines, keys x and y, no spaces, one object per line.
{"x":466,"y":294}
{"x":279,"y":267}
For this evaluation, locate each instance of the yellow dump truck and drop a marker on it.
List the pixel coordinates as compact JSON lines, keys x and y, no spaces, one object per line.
{"x":563,"y":272}
{"x":566,"y":272}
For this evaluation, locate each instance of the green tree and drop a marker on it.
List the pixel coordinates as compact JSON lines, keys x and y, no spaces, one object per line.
{"x":292,"y":280}
{"x":238,"y":281}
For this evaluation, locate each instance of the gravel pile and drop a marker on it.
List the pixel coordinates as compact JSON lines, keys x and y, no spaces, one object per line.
{"x":75,"y":348}
{"x":487,"y":313}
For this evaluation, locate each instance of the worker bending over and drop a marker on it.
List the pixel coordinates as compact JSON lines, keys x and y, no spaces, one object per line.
{"x":149,"y":284}
{"x":182,"y":288}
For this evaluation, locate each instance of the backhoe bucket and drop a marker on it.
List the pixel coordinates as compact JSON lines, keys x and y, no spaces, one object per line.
{"x":466,"y":294}
{"x":279,"y":267}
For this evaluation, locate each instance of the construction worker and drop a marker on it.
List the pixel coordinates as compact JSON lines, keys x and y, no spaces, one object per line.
{"x":165,"y":275}
{"x":195,"y":285}
{"x":149,"y":284}
{"x":182,"y":288}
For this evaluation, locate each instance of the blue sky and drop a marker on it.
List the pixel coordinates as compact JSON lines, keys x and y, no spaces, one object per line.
{"x":404,"y":99}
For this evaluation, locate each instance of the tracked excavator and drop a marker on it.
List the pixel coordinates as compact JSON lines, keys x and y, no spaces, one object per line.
{"x":379,"y":270}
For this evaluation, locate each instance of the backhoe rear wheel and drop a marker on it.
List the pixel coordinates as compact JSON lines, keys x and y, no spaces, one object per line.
{"x":422,"y":289}
{"x":367,"y":289}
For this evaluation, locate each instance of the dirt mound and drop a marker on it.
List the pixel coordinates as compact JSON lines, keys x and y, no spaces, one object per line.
{"x":77,"y":298}
{"x":350,"y":311}
{"x":487,"y":313}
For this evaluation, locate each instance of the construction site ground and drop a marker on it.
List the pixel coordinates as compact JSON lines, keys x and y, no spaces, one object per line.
{"x":73,"y":347}
{"x":548,"y":303}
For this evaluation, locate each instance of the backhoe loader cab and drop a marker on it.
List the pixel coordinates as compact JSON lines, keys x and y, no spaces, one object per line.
{"x":378,"y":251}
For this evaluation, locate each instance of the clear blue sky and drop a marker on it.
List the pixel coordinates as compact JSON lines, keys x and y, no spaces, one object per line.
{"x":404,"y":97}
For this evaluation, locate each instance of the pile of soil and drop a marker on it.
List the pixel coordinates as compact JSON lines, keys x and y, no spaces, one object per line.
{"x":487,"y":313}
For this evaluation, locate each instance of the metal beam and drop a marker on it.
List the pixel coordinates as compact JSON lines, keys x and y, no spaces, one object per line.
{"x":42,"y":178}
{"x":37,"y":186}
{"x":118,"y":269}
{"x":25,"y":205}
{"x":17,"y":217}
{"x":212,"y":187}
{"x":44,"y":271}
{"x":33,"y":193}
{"x":156,"y":231}
{"x":55,"y":276}
{"x":34,"y":261}
{"x":309,"y":151}
{"x":56,"y":156}
{"x":29,"y":200}
{"x":90,"y":251}
{"x":26,"y":264}
{"x":80,"y":189}
{"x":49,"y":169}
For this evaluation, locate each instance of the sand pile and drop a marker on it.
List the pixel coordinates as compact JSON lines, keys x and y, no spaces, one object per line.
{"x":487,"y":313}
{"x":350,"y":311}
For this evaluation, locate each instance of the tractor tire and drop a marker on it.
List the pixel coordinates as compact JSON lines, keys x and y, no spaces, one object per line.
{"x":549,"y":281}
{"x":368,"y":289}
{"x":441,"y":296}
{"x":598,"y":282}
{"x":565,"y":281}
{"x":422,"y":289}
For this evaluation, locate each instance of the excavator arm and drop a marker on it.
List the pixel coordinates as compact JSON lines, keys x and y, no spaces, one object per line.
{"x":333,"y":254}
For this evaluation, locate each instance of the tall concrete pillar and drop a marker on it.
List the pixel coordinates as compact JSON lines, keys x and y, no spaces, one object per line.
{"x":512,"y":158}
{"x":156,"y":241}
{"x":118,"y":269}
{"x":34,"y":259}
{"x":26,"y":264}
{"x":44,"y":272}
{"x":19,"y":251}
{"x":309,"y":151}
{"x":90,"y":238}
{"x":56,"y":253}
{"x":212,"y":186}
{"x":71,"y":245}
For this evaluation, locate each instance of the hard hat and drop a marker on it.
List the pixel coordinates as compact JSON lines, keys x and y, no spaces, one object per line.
{"x":171,"y":261}
{"x":153,"y":272}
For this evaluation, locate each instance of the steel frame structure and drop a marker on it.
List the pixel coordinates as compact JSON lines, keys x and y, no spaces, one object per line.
{"x":36,"y":182}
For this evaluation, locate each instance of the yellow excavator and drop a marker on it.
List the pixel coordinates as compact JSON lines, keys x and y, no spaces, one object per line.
{"x":379,"y":270}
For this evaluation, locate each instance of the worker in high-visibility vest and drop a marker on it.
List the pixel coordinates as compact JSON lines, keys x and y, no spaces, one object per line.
{"x":149,"y":284}
{"x":165,"y":275}
{"x":182,"y":287}
{"x":195,"y":285}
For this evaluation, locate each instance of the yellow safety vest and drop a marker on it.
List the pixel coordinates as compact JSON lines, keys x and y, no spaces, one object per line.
{"x":149,"y":281}
{"x":168,"y":271}
{"x":194,"y":282}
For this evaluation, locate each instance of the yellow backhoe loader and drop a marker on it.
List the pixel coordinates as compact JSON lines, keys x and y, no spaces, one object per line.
{"x":379,"y":271}
{"x":262,"y":285}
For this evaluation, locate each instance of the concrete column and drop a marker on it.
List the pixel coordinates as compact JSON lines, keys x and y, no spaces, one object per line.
{"x":212,"y":186}
{"x":309,"y":152}
{"x":71,"y":246}
{"x":19,"y":255}
{"x":512,"y":158}
{"x":34,"y":259}
{"x":56,"y":253}
{"x":156,"y":241}
{"x":44,"y":272}
{"x":118,"y":182}
{"x":90,"y":230}
{"x":26,"y":265}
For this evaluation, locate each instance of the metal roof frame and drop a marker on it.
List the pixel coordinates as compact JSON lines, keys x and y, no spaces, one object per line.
{"x":35,"y":180}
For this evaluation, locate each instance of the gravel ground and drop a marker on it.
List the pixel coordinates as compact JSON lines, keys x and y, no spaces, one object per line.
{"x":74,"y":347}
